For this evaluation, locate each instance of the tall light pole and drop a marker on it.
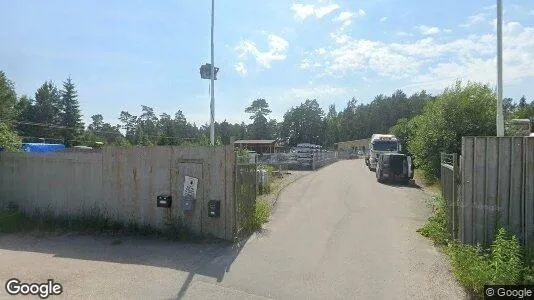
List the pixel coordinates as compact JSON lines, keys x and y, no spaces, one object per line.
{"x":212,"y":104}
{"x":500,"y":119}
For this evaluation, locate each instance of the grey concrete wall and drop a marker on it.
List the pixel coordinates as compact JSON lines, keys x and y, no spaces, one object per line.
{"x":123,"y":183}
{"x":497,"y":188}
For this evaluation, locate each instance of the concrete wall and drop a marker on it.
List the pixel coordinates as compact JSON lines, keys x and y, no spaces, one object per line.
{"x":123,"y":183}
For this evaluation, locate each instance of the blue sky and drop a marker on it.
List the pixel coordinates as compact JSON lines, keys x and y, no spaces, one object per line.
{"x":124,"y":54}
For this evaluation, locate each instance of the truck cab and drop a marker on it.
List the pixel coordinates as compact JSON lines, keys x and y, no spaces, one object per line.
{"x":394,"y":167}
{"x":380,"y":144}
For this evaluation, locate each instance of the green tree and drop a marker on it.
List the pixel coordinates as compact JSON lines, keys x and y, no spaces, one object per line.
{"x":71,"y":117}
{"x":259,"y":110}
{"x":331,"y":127}
{"x":461,"y":110}
{"x":46,"y":114}
{"x":130,"y":125}
{"x":8,"y":99}
{"x":303,"y":124}
{"x":9,"y":140}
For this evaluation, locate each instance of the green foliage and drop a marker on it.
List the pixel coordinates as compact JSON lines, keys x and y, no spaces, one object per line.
{"x":470,"y":265}
{"x":71,"y":117}
{"x":506,"y":260}
{"x":459,"y":111}
{"x":404,"y":130}
{"x":261,"y":128}
{"x":436,"y":226}
{"x":303,"y":124}
{"x":8,"y":138}
{"x":474,"y":266}
{"x":243,"y":156}
{"x":262,"y":213}
{"x":8,"y":99}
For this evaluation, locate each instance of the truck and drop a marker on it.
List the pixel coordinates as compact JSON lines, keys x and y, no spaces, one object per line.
{"x":381,"y":143}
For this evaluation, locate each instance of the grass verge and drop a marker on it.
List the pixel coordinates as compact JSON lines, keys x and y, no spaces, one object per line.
{"x":504,"y":262}
{"x":13,"y":220}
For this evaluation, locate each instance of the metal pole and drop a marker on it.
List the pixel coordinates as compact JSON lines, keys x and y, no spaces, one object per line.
{"x":500,"y":119}
{"x":212,"y":104}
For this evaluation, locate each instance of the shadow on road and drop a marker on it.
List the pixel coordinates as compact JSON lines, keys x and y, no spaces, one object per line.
{"x":208,"y":259}
{"x":412,"y":185}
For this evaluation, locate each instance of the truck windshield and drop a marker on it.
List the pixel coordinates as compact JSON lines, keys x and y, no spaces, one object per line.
{"x":385,"y":146}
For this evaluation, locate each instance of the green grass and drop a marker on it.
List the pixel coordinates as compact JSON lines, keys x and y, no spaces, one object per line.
{"x":436,"y":226}
{"x":504,"y":262}
{"x":262,"y":213}
{"x":40,"y":224}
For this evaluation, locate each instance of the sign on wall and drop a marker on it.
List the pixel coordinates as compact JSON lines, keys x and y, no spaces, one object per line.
{"x":189,"y":195}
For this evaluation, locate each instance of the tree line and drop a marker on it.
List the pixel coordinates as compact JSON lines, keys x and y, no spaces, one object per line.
{"x":427,"y":124}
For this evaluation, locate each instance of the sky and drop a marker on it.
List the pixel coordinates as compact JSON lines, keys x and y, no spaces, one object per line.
{"x":124,"y":54}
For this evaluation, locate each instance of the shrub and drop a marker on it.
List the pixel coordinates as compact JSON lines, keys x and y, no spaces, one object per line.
{"x":436,"y":227}
{"x":474,"y":267}
{"x":461,"y":110}
{"x":262,"y":212}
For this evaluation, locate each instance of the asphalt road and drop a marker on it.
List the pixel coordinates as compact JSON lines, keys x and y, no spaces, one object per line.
{"x":335,"y":234}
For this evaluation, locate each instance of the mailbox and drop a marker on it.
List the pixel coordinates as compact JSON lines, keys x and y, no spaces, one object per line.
{"x":163,"y":200}
{"x":214,"y":208}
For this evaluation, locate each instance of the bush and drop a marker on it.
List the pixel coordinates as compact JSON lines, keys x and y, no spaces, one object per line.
{"x":436,"y":227}
{"x":461,"y":110}
{"x":470,"y":265}
{"x":9,"y":140}
{"x":474,"y":267}
{"x":262,"y":212}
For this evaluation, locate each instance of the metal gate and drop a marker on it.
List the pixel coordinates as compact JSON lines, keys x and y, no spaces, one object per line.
{"x":245,"y":191}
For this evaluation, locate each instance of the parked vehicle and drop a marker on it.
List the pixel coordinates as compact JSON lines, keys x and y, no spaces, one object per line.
{"x":381,"y":143}
{"x":394,"y":167}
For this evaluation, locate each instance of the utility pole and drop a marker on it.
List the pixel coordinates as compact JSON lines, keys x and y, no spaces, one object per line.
{"x":500,"y":118}
{"x":212,"y":104}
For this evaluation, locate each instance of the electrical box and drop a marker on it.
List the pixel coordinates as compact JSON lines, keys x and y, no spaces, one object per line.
{"x":214,"y":208}
{"x":164,"y":200}
{"x":189,"y":195}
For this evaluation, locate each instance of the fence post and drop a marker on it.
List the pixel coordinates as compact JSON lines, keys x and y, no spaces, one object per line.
{"x":454,"y":195}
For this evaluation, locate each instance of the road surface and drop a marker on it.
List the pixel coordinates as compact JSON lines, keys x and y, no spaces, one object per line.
{"x":335,"y":234}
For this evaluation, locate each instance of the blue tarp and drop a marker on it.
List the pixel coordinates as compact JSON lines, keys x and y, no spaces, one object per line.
{"x":39,"y":147}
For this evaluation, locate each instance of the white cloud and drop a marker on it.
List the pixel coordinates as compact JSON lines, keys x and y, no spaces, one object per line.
{"x":426,"y":30}
{"x":325,"y":10}
{"x":277,"y":48}
{"x":361,"y":12}
{"x":431,"y":63}
{"x":473,"y":20}
{"x":490,"y":7}
{"x":447,"y":30}
{"x":383,"y":19}
{"x":345,"y":18}
{"x":404,"y":33}
{"x":240,"y":68}
{"x":320,"y":51}
{"x":303,"y":11}
{"x":339,"y":37}
{"x":320,"y":92}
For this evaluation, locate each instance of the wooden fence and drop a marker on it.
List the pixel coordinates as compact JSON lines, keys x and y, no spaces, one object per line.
{"x":123,"y":183}
{"x":495,"y":187}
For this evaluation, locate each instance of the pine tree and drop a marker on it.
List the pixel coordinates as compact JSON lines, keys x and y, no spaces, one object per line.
{"x":70,"y":116}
